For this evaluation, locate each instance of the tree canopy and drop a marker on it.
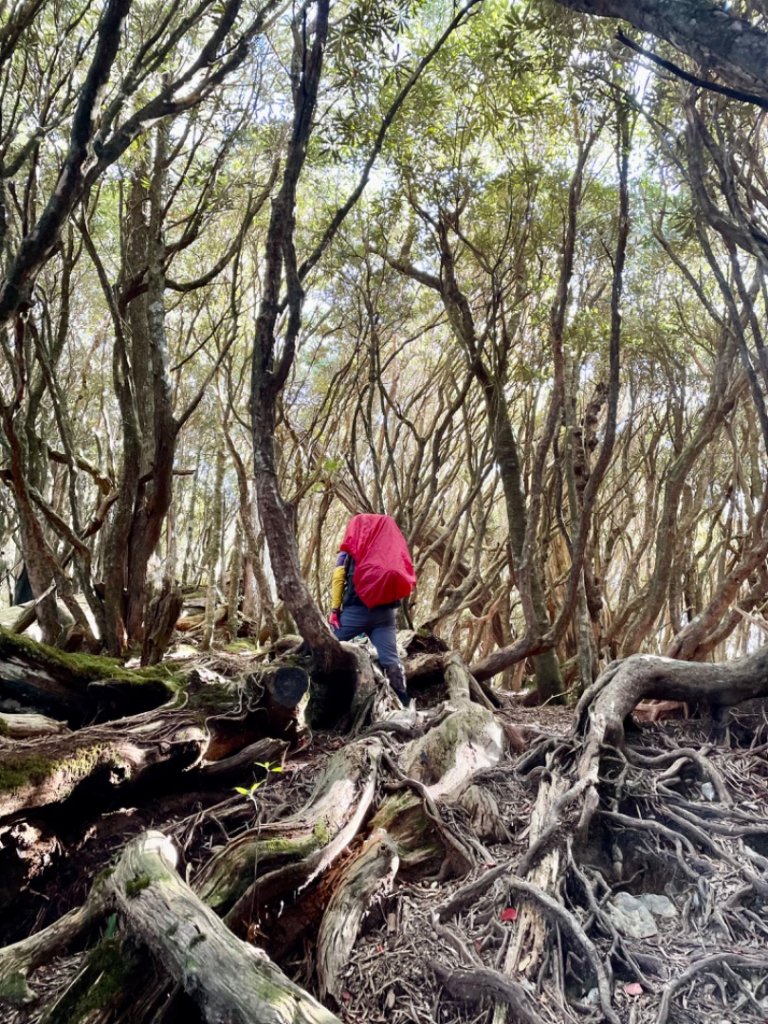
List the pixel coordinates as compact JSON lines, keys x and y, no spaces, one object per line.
{"x":496,"y":269}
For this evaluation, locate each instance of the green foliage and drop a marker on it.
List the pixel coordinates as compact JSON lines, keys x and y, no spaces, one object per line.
{"x":484,"y":148}
{"x":269,"y":767}
{"x":249,"y":792}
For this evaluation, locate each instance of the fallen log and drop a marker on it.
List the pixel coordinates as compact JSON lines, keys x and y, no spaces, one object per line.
{"x":76,"y":688}
{"x":284,"y":688}
{"x":47,"y":770}
{"x":23,"y":727}
{"x":265,"y":704}
{"x":230,"y":980}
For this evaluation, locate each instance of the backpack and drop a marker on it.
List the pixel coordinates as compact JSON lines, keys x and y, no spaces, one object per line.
{"x":383,"y":572}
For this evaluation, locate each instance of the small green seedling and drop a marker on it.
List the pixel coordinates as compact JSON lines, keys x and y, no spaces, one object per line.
{"x":268,"y":766}
{"x":250,"y":792}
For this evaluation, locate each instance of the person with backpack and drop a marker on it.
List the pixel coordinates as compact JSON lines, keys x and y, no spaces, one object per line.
{"x":373,"y":573}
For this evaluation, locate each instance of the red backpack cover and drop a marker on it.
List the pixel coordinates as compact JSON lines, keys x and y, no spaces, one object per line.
{"x":383,"y":567}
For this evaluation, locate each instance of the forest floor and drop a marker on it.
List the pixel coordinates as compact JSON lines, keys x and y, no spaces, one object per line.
{"x":673,"y":912}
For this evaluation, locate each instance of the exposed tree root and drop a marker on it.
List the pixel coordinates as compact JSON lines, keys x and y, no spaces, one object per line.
{"x":477,"y":984}
{"x":372,"y":871}
{"x":19,"y":959}
{"x":436,"y":872}
{"x":290,"y":852}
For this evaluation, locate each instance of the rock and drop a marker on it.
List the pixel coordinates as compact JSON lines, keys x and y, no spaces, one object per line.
{"x":659,"y":906}
{"x":631,"y":917}
{"x":708,"y":791}
{"x":593,"y":997}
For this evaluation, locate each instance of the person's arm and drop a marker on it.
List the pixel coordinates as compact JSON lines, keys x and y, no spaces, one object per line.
{"x":338,"y":582}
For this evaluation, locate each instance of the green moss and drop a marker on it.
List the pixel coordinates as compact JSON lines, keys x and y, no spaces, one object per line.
{"x":393,"y":807}
{"x":107,"y":979}
{"x":15,"y":991}
{"x":321,"y":833}
{"x":4,"y":728}
{"x":86,"y":667}
{"x":240,"y":647}
{"x":152,"y":871}
{"x":136,"y":885}
{"x":25,"y":770}
{"x":231,"y":879}
{"x":297,"y":847}
{"x":212,"y":699}
{"x":403,"y":817}
{"x":33,"y":769}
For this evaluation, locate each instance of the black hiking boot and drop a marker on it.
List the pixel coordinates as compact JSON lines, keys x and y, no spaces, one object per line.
{"x":396,"y":676}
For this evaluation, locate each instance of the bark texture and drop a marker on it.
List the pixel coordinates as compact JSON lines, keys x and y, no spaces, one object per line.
{"x":718,"y":40}
{"x":232,"y":982}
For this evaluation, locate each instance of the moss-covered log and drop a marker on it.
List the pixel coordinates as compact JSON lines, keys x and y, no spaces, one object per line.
{"x":229,"y":980}
{"x":76,"y":688}
{"x":40,"y":772}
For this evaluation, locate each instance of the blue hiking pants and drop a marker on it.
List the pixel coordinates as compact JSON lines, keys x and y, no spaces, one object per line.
{"x":377,"y":623}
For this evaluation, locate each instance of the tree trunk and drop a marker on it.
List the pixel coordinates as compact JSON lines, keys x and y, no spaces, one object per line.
{"x":719,"y":41}
{"x":267,"y":378}
{"x":213,"y":547}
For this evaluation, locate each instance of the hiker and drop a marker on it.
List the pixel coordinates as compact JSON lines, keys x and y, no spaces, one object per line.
{"x":373,"y":573}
